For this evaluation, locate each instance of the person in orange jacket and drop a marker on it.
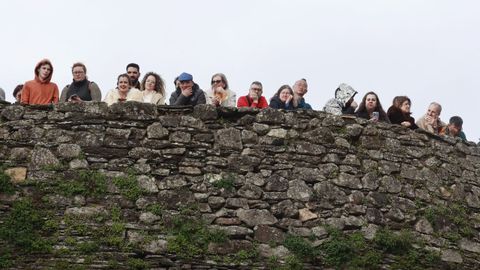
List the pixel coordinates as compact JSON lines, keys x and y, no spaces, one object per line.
{"x":41,"y":90}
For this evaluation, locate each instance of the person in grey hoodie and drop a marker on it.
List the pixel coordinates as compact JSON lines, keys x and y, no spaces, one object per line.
{"x":343,"y":102}
{"x":189,"y":92}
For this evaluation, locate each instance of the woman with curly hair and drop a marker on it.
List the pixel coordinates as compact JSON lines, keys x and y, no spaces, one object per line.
{"x":370,"y":108}
{"x":153,"y":89}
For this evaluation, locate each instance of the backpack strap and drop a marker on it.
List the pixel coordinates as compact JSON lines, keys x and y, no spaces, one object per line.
{"x":249,"y":102}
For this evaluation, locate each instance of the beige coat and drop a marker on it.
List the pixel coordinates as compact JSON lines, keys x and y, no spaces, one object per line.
{"x":157,"y":98}
{"x":133,"y":95}
{"x":422,"y":123}
{"x":230,"y":100}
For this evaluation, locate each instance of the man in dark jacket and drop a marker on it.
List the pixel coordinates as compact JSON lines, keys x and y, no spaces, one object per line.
{"x":300,"y":88}
{"x":189,"y":92}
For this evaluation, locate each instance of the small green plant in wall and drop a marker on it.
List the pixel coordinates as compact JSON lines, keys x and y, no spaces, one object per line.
{"x":227,"y":182}
{"x":128,"y":187}
{"x":189,"y":237}
{"x":6,"y":186}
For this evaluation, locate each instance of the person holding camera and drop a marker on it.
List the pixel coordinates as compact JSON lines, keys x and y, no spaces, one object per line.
{"x":81,"y":89}
{"x":370,"y":108}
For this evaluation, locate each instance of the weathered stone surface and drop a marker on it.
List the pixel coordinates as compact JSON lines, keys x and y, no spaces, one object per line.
{"x":270,"y":116}
{"x":43,"y":158}
{"x":236,"y":203}
{"x":370,"y":231}
{"x":255,"y":179}
{"x":423,"y":226}
{"x":13,"y":112}
{"x":278,"y":133}
{"x":17,"y":174}
{"x":78,"y":164}
{"x":267,"y":234}
{"x":20,"y":154}
{"x":171,"y":182}
{"x":254,"y":217}
{"x":158,"y":246}
{"x":228,"y":221}
{"x":69,"y":151}
{"x":276,"y":183}
{"x":348,"y":180}
{"x":354,"y":130}
{"x":157,"y":131}
{"x":468,"y":245}
{"x":249,"y":137}
{"x":326,"y":191}
{"x":149,"y":218}
{"x":305,"y":214}
{"x":87,"y":211}
{"x":205,"y":112}
{"x":250,"y":192}
{"x":180,"y":137}
{"x":257,"y":175}
{"x":285,"y":208}
{"x":298,"y":190}
{"x":216,"y":202}
{"x":449,"y":255}
{"x":391,"y":184}
{"x":269,"y":252}
{"x":147,"y":183}
{"x":229,"y":247}
{"x":229,"y":138}
{"x":309,"y":175}
{"x":261,"y":129}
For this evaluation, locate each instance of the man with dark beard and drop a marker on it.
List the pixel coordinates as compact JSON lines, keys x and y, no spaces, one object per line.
{"x":133,"y":71}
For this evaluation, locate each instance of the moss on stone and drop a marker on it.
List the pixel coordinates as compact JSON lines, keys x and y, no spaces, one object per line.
{"x":189,"y":236}
{"x":451,"y":222}
{"x":128,"y":187}
{"x":86,"y":183}
{"x":23,"y":229}
{"x":6,"y":185}
{"x":137,"y":264}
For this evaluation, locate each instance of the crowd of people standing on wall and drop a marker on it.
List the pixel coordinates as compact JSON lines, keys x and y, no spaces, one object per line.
{"x":151,"y":89}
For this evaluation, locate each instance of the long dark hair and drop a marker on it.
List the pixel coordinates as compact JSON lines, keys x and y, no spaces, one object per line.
{"x":285,"y":86}
{"x":398,"y":101}
{"x":362,"y":109}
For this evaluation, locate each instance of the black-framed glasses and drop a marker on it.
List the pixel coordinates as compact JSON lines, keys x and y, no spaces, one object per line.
{"x":216,"y":81}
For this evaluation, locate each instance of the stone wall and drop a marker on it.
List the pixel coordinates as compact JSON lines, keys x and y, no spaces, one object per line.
{"x":136,"y":186}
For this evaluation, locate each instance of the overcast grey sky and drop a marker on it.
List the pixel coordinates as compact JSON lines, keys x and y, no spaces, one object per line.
{"x":426,"y":49}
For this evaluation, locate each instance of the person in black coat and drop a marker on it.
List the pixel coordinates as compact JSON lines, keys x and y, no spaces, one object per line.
{"x":371,"y":109}
{"x":283,"y":99}
{"x":399,"y":113}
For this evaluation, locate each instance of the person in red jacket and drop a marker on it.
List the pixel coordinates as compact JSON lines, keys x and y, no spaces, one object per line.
{"x":41,"y":90}
{"x":254,"y":99}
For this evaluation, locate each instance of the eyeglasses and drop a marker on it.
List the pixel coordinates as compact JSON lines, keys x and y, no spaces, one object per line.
{"x":78,"y":72}
{"x":216,"y":81}
{"x":256,"y":89}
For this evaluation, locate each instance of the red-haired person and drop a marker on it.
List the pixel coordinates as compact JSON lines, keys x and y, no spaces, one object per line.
{"x":40,"y":90}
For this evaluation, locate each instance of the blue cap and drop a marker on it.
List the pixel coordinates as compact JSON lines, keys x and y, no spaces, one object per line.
{"x":185,"y":77}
